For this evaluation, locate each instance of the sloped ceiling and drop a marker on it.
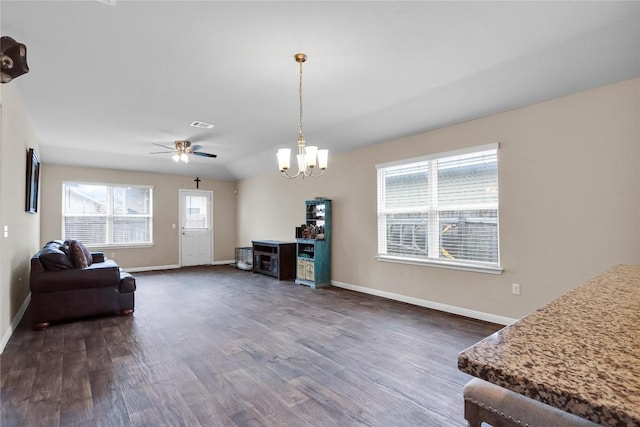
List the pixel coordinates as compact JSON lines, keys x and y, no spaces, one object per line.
{"x":110,"y":78}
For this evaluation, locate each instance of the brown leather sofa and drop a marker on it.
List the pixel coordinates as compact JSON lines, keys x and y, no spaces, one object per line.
{"x":61,"y":289}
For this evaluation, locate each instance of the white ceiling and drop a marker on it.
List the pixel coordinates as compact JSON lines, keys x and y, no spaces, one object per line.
{"x":110,"y":78}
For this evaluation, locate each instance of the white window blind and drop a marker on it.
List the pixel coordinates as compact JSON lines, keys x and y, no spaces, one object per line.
{"x":104,"y":214}
{"x":441,"y":209}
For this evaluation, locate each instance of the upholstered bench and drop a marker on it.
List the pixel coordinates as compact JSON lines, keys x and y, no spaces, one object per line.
{"x":499,"y":407}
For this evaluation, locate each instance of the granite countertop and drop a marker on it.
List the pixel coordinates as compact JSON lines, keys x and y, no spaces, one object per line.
{"x":579,"y":353}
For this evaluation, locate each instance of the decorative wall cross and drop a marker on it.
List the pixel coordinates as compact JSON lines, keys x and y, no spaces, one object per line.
{"x":197,"y":181}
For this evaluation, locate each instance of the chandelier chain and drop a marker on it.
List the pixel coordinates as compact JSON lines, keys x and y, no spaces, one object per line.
{"x":300,"y":98}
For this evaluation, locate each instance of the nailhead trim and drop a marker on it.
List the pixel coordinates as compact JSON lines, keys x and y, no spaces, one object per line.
{"x":497,"y":411}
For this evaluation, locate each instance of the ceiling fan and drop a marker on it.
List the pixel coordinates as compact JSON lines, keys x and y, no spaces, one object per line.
{"x":182,"y":150}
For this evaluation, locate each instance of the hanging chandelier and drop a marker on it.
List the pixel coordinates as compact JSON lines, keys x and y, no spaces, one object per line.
{"x":309,"y":157}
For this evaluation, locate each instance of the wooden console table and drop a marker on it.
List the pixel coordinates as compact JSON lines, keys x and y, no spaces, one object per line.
{"x":580,"y":353}
{"x":275,"y":258}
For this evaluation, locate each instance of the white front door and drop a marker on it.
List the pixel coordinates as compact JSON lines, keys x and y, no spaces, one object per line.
{"x":196,"y":227}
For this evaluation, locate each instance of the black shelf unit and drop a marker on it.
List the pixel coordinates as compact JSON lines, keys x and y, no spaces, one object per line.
{"x":274,"y":258}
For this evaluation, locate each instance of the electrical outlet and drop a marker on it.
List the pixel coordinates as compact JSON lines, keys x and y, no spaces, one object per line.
{"x":515,"y":288}
{"x":113,"y":255}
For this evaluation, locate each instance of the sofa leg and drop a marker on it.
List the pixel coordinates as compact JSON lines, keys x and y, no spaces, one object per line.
{"x":40,"y":326}
{"x":127,"y":313}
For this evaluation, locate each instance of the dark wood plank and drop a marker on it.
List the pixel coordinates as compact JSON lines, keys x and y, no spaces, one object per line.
{"x":108,"y":402}
{"x":216,"y":346}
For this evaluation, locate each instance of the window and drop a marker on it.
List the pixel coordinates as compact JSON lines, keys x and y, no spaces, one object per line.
{"x":441,"y":209}
{"x":105,"y":214}
{"x":196,"y":212}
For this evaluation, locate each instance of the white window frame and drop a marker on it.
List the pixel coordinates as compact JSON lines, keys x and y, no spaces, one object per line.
{"x":433,"y":224}
{"x":110,"y":215}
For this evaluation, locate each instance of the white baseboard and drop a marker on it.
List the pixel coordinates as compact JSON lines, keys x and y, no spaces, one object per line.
{"x":170,"y":266}
{"x":152,"y":268}
{"x":14,"y":323}
{"x":487,"y":317}
{"x":231,"y":261}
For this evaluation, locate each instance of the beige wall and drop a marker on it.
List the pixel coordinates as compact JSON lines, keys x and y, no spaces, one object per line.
{"x":569,"y":200}
{"x":569,"y":172}
{"x":24,"y":228}
{"x":165,"y":251}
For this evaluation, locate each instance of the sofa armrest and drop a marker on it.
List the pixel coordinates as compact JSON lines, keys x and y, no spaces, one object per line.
{"x":36,"y":265}
{"x":102,"y":274}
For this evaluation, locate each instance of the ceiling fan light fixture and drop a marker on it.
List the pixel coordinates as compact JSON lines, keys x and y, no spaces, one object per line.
{"x":308,"y":157}
{"x":182,"y":150}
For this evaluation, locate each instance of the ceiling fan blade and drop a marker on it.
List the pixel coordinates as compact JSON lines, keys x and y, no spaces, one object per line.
{"x":195,"y":147}
{"x":161,"y":152}
{"x":164,"y":146}
{"x":200,"y":153}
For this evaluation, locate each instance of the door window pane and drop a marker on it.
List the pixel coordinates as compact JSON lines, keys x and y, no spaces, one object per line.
{"x":195,"y":215}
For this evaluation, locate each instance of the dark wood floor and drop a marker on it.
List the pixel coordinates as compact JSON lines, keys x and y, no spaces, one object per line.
{"x":216,"y":346}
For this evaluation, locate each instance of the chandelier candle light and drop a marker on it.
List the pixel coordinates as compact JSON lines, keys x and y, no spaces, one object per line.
{"x":308,"y":156}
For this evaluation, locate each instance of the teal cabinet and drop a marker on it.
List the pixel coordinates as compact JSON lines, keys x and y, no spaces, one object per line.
{"x":314,"y":248}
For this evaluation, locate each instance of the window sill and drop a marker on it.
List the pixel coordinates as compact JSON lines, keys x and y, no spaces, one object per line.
{"x":442,"y":264}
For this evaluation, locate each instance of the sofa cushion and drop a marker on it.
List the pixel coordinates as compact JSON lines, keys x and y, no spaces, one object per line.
{"x":77,"y":254}
{"x":53,"y":258}
{"x":98,"y":275}
{"x":87,"y":254}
